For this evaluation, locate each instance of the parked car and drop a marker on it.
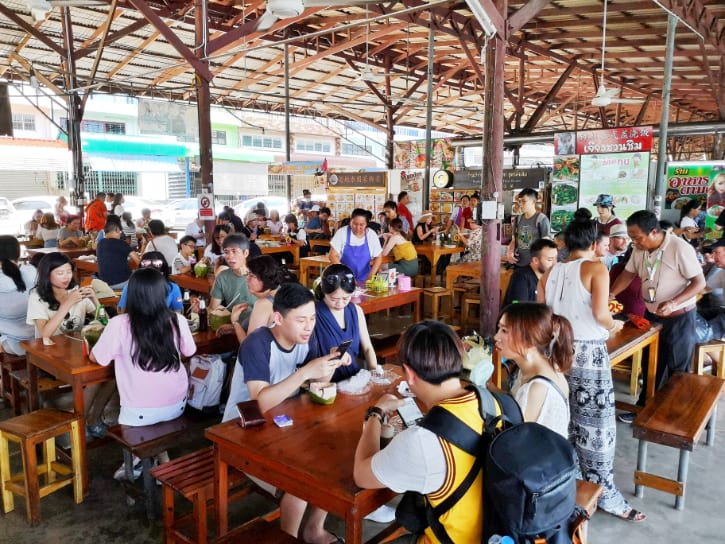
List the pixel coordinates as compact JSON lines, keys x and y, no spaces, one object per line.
{"x":159,"y":210}
{"x":278,"y":203}
{"x":8,"y":218}
{"x":186,"y":209}
{"x":25,"y":208}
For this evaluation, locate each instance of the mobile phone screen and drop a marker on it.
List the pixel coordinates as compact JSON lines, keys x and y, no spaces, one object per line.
{"x":342,"y":348}
{"x":410,"y":413}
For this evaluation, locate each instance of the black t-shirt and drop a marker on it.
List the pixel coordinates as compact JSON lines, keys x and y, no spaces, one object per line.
{"x":112,"y":255}
{"x":522,"y":287}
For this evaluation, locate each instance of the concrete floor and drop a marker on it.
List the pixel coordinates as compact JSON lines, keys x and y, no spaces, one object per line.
{"x":105,"y":518}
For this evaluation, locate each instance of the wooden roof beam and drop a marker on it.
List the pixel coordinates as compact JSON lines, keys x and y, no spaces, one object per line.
{"x":544,"y":104}
{"x":10,"y":14}
{"x":524,"y":14}
{"x":694,"y":14}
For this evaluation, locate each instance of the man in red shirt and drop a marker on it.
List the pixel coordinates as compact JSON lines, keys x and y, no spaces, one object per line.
{"x":96,"y":213}
{"x":403,"y":211}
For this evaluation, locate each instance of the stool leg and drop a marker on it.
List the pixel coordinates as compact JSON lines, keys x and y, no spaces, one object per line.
{"x":8,"y":500}
{"x":149,"y":485}
{"x":200,"y":518}
{"x":641,"y":466}
{"x":77,"y":460}
{"x":32,"y":487}
{"x":49,"y":457}
{"x":682,"y":478}
{"x":169,"y":514}
{"x":435,"y":304}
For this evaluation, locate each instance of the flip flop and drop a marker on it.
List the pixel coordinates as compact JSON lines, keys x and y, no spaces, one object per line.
{"x":634,"y":516}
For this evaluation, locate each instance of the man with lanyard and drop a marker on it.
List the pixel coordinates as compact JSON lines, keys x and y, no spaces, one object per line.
{"x":671,"y":278}
{"x":355,"y":246}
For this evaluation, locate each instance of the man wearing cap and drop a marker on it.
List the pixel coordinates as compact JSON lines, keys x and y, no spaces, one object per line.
{"x":618,"y":242}
{"x":605,"y":209}
{"x":671,"y":279}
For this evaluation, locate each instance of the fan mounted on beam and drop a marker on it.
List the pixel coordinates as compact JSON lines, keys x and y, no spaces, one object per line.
{"x":604,"y":96}
{"x":285,"y":9}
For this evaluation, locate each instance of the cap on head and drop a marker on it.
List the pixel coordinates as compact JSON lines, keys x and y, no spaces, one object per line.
{"x":605,"y":201}
{"x":315,"y":208}
{"x":618,"y":230}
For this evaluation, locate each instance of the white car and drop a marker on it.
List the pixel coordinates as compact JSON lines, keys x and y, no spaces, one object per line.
{"x":8,"y":218}
{"x":278,"y":203}
{"x":159,"y":210}
{"x":25,"y":208}
{"x":187,"y":209}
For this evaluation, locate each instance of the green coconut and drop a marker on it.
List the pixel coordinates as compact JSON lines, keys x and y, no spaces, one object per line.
{"x":219,"y":317}
{"x":201,"y":269}
{"x":323,"y":392}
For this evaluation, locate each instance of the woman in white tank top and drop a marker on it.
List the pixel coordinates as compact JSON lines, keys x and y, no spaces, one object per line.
{"x":541,"y":344}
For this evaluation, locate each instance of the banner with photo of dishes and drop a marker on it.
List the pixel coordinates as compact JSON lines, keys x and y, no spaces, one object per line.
{"x":715,"y":173}
{"x":615,"y":162}
{"x":564,"y":187}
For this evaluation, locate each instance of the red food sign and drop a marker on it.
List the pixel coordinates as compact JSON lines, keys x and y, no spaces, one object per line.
{"x":615,"y":140}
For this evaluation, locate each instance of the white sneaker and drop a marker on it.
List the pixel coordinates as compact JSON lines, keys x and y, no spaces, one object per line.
{"x":384,"y":514}
{"x":120,"y":473}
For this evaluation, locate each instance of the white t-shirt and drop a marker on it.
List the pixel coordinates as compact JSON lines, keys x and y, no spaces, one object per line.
{"x":193,"y":229}
{"x":340,"y":239}
{"x":179,"y":261}
{"x":687,"y":222}
{"x":166,"y":245}
{"x":39,"y":309}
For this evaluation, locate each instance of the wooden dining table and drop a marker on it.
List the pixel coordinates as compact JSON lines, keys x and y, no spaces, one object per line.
{"x":66,"y":362}
{"x":371,"y":301}
{"x":192,"y":283}
{"x":72,"y":253}
{"x":629,"y":342}
{"x":312,"y":459}
{"x":270,"y":247}
{"x":318,"y":263}
{"x":433,"y":252}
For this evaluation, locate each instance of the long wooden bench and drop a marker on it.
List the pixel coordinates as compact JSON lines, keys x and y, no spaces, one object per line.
{"x":676,"y":417}
{"x":259,"y":531}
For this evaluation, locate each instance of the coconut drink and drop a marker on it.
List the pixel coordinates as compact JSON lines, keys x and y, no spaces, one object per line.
{"x":90,"y":335}
{"x":201,"y":269}
{"x":219,"y":317}
{"x":323,"y":392}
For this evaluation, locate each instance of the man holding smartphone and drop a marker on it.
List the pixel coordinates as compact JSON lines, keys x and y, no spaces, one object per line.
{"x":273,"y":363}
{"x":416,"y":459}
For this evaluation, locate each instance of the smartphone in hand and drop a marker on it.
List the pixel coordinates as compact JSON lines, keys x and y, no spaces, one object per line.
{"x":342,"y":348}
{"x":410,"y":413}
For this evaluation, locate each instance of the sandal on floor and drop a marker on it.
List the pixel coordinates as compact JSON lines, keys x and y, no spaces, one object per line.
{"x":634,"y":515}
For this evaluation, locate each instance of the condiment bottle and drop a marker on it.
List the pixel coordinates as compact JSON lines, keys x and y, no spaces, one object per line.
{"x":203,"y":318}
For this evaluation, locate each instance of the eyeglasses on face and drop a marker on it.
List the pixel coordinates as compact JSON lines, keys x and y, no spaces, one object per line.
{"x":346,"y":281}
{"x":151,"y":263}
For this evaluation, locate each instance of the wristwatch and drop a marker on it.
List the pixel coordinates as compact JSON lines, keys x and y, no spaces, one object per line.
{"x":375,"y":411}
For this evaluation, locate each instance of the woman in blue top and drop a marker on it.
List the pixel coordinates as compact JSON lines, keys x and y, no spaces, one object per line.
{"x":338,"y":320}
{"x":355,"y":246}
{"x":156,"y":260}
{"x":15,"y":284}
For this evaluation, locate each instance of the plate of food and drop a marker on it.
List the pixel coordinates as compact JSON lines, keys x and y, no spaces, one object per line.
{"x":714,"y":211}
{"x":564,"y":193}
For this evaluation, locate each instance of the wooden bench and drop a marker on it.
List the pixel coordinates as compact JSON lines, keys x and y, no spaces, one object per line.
{"x":145,"y":443}
{"x":259,"y":531}
{"x":192,"y":476}
{"x":676,"y":417}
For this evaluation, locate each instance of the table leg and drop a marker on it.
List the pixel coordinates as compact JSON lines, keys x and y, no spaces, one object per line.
{"x":652,"y":367}
{"x":416,"y":308}
{"x":221,"y":486}
{"x":79,"y":409}
{"x":303,"y":273}
{"x":33,"y":395}
{"x":433,"y":269}
{"x":353,"y":527}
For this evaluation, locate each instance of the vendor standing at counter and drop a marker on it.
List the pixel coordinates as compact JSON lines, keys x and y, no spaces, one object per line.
{"x":355,"y":246}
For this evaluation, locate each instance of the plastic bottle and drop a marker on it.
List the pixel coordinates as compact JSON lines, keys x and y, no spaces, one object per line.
{"x":203,"y":318}
{"x":186,"y":303}
{"x":498,"y":539}
{"x":102,"y":316}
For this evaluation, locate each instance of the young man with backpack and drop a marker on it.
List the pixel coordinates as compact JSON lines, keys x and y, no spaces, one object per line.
{"x":530,"y":226}
{"x":416,"y":460}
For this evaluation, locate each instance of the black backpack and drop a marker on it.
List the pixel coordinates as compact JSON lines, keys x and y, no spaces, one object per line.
{"x":529,"y":475}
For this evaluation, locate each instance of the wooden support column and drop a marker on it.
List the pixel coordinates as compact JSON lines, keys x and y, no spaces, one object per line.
{"x":492,"y":180}
{"x":6,"y":114}
{"x":203,"y":104}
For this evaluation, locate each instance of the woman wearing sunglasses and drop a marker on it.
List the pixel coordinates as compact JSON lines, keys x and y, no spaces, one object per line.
{"x":339,"y":320}
{"x":156,"y":260}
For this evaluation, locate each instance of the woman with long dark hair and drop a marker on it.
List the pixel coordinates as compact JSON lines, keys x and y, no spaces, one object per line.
{"x":213,"y":253}
{"x":15,"y":284}
{"x":146,"y":344}
{"x":57,"y":304}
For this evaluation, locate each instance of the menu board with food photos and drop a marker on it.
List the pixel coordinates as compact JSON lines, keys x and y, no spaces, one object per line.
{"x":442,"y":203}
{"x":343,"y":201}
{"x":564,"y":190}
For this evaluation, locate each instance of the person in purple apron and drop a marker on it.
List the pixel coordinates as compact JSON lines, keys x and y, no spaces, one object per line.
{"x":355,"y":246}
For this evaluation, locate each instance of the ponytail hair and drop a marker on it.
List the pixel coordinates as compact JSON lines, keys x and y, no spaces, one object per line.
{"x":9,"y":253}
{"x":534,"y":325}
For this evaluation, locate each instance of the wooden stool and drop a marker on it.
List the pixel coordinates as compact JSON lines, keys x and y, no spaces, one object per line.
{"x":192,"y":476}
{"x":436,"y":293}
{"x":630,"y":369}
{"x":676,"y":417}
{"x":8,"y":364}
{"x":469,"y":299}
{"x":30,"y":430}
{"x":258,"y":530}
{"x":146,"y":443}
{"x":20,"y":387}
{"x":716,"y":350}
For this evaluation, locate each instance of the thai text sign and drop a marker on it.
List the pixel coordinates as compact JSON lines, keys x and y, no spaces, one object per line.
{"x":616,"y":140}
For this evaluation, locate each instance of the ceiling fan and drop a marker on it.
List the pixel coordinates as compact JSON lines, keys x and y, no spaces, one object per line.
{"x":604,"y":96}
{"x":285,"y":9}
